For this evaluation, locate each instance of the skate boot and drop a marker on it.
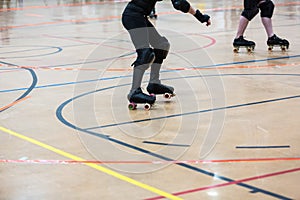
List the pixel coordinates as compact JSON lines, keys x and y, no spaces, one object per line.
{"x":241,"y":42}
{"x":276,"y":41}
{"x":156,"y":88}
{"x":138,"y":97}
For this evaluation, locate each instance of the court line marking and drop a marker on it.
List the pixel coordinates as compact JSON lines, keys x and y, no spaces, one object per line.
{"x":167,"y":69}
{"x":13,"y":103}
{"x":92,"y":165}
{"x":156,"y":162}
{"x":120,"y":1}
{"x":61,"y":118}
{"x":24,"y":96}
{"x":231,"y":183}
{"x":110,"y":17}
{"x":209,"y":173}
{"x":263,"y":147}
{"x":242,"y":105}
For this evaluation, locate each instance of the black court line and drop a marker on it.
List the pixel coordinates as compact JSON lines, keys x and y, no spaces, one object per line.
{"x":263,"y":147}
{"x":166,"y":144}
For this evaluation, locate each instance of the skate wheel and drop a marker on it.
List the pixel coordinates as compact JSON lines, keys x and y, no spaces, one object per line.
{"x":147,"y":106}
{"x":167,"y":95}
{"x":283,"y":48}
{"x":235,"y":49}
{"x":132,"y":106}
{"x":270,"y":48}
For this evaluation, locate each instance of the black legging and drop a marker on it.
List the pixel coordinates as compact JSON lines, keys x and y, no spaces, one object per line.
{"x":141,"y":30}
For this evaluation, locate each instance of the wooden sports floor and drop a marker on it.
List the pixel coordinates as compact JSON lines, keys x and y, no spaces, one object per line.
{"x":231,"y":132}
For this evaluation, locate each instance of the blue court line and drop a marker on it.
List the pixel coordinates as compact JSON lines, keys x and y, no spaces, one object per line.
{"x":59,"y":116}
{"x":247,"y":61}
{"x":29,"y":89}
{"x":197,"y":112}
{"x":262,"y":147}
{"x":126,"y":76}
{"x":28,"y":50}
{"x":86,"y":62}
{"x":58,"y":49}
{"x":98,"y":135}
{"x":166,"y":144}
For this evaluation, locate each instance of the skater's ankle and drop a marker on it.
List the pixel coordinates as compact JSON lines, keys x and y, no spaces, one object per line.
{"x":154,"y":82}
{"x":272,"y":36}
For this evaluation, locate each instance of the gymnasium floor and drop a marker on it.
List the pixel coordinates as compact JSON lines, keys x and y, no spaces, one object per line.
{"x":231,"y":132}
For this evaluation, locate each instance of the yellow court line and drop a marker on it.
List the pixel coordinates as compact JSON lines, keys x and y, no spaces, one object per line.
{"x":95,"y":166}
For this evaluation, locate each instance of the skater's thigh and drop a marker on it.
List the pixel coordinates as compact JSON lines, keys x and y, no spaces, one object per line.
{"x":250,"y":4}
{"x":134,"y":21}
{"x":138,"y":30}
{"x":154,"y":37}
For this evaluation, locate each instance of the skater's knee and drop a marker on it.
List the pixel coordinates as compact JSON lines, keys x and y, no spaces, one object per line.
{"x":161,"y":50}
{"x":145,"y":58}
{"x":250,"y":13}
{"x":266,"y":8}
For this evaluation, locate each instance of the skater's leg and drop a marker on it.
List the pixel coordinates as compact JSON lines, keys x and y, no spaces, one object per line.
{"x":239,"y":39}
{"x":267,"y":9}
{"x":267,"y":22}
{"x":142,"y":63}
{"x":161,"y":48}
{"x":161,"y":51}
{"x":243,"y":23}
{"x":249,"y":12}
{"x":144,"y":60}
{"x":139,"y":33}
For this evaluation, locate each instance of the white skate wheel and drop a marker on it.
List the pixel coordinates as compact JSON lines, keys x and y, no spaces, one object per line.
{"x":147,"y":106}
{"x":167,"y":95}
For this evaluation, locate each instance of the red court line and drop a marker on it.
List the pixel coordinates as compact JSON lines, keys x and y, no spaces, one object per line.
{"x":175,"y":69}
{"x":59,"y":22}
{"x":151,"y":162}
{"x":86,"y":42}
{"x":106,"y":18}
{"x":238,"y":67}
{"x":229,"y":183}
{"x":13,"y":103}
{"x":112,"y":2}
{"x":55,"y":6}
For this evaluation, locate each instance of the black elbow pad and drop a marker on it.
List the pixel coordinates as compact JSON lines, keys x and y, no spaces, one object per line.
{"x":181,"y":5}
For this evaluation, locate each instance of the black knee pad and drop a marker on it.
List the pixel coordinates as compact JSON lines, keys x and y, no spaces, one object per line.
{"x":145,"y":57}
{"x":250,"y":13}
{"x":266,"y":9}
{"x":161,"y":50}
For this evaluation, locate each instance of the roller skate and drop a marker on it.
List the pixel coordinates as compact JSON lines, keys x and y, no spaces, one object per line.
{"x":156,"y":88}
{"x":138,"y":97}
{"x":241,"y":42}
{"x":276,"y":41}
